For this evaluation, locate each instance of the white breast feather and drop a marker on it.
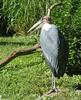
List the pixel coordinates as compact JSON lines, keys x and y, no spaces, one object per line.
{"x":46,"y":26}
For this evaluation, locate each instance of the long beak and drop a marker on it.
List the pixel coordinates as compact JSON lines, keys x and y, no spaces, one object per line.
{"x":35,"y":27}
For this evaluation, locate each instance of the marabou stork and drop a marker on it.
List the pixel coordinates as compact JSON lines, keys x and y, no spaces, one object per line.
{"x":54,"y":46}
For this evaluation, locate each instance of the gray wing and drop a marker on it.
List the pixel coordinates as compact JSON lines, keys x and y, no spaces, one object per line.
{"x":63,"y":52}
{"x":49,"y":42}
{"x":52,"y":45}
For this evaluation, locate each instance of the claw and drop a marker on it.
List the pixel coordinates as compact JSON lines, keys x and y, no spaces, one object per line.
{"x":53,"y":91}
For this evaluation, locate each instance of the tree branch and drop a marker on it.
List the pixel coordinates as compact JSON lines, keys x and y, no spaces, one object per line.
{"x":17,"y":53}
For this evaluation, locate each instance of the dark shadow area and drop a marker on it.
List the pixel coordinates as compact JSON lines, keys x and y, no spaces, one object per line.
{"x":4,"y":30}
{"x":77,"y":87}
{"x":75,"y":5}
{"x":16,"y":43}
{"x":73,"y":71}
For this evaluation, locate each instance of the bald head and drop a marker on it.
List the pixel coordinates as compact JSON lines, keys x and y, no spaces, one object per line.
{"x":46,"y":19}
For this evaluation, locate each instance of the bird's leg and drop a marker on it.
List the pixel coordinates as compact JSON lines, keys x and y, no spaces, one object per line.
{"x":53,"y":81}
{"x":53,"y":89}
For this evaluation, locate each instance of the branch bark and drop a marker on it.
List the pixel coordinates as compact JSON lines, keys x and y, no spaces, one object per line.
{"x":17,"y":53}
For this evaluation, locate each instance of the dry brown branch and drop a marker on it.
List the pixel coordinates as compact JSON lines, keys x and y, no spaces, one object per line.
{"x":17,"y":53}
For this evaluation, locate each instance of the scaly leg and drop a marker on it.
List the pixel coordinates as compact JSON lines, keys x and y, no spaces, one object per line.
{"x":53,"y":81}
{"x":54,"y":89}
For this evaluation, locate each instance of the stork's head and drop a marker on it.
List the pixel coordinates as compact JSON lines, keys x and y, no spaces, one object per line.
{"x":46,"y":19}
{"x":39,"y":24}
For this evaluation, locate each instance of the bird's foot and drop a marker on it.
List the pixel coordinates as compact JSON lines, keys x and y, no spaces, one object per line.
{"x":55,"y":90}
